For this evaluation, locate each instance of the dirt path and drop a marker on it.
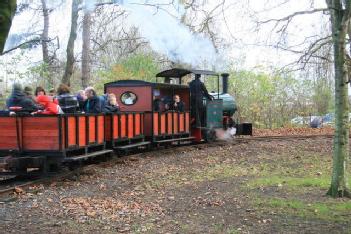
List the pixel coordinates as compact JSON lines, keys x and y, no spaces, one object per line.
{"x":247,"y":187}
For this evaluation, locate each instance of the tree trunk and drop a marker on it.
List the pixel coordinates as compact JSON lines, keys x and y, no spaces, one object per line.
{"x":339,"y":20}
{"x":66,"y":79}
{"x":44,"y":45}
{"x":86,"y":50}
{"x":7,"y":11}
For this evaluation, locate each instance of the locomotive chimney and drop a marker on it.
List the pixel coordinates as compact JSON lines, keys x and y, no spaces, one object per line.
{"x":225,"y":77}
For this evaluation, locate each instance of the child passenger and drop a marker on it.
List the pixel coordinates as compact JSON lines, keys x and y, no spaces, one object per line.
{"x":111,"y":105}
{"x":39,"y":91}
{"x":50,"y":107}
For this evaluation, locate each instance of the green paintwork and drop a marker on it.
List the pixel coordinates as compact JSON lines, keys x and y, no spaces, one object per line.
{"x":7,"y":11}
{"x":214,"y":113}
{"x":229,"y":104}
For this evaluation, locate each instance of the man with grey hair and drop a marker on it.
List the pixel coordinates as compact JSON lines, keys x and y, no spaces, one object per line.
{"x":93,"y":102}
{"x":19,"y":100}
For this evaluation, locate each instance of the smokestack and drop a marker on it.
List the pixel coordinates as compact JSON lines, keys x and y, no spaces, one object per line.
{"x":225,"y":77}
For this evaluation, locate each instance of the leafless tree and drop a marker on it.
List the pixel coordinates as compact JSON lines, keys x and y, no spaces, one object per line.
{"x":70,"y":46}
{"x":310,"y":51}
{"x":113,"y":39}
{"x":86,"y":49}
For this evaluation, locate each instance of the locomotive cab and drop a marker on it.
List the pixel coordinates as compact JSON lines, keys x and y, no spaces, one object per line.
{"x":204,"y":121}
{"x":216,"y":113}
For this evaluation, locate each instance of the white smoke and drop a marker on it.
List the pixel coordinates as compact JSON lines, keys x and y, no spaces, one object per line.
{"x":167,"y":35}
{"x":158,"y":21}
{"x":225,"y":135}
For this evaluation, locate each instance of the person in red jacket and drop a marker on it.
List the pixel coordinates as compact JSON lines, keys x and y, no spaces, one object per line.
{"x":50,"y":107}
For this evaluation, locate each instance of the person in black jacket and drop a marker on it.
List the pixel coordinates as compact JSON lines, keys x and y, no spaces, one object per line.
{"x":20,"y":100}
{"x":176,"y":104}
{"x":111,"y":105}
{"x":68,"y":102}
{"x":93,"y":103}
{"x":197,"y":92}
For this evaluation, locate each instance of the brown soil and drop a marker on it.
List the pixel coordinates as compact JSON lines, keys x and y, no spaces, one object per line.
{"x":192,"y":189}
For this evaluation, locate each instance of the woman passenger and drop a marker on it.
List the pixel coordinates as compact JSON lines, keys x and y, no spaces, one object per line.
{"x":111,"y":105}
{"x":39,"y":91}
{"x":67,"y":101}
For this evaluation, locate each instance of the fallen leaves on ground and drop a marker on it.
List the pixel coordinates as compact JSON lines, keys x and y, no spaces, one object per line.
{"x":289,"y":131}
{"x":110,"y":207}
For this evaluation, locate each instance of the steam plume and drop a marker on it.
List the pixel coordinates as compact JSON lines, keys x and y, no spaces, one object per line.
{"x":167,"y":35}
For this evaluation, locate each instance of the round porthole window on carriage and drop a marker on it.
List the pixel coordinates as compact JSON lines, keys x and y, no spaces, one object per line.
{"x":129,"y":98}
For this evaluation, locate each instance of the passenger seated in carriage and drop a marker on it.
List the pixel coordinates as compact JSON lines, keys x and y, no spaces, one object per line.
{"x":93,"y":103}
{"x":81,"y":97}
{"x":39,"y":91}
{"x":52,"y":92}
{"x":111,"y":105}
{"x":50,"y":107}
{"x":176,"y":104}
{"x":28,"y":91}
{"x":157,"y":103}
{"x":67,"y":101}
{"x":19,"y":102}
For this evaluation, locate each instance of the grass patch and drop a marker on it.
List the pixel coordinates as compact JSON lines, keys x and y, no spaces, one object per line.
{"x":291,"y":182}
{"x":331,"y":210}
{"x":294,"y":172}
{"x":232,"y":231}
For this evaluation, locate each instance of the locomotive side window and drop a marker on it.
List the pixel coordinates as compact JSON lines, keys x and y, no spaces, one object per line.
{"x":128,"y":98}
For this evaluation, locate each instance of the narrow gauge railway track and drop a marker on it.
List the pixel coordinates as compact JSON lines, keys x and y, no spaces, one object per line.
{"x":285,"y":137}
{"x":13,"y":184}
{"x":18,"y":184}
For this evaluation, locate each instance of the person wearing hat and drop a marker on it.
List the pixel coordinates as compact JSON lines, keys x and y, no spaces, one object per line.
{"x":19,"y":101}
{"x":197,"y":93}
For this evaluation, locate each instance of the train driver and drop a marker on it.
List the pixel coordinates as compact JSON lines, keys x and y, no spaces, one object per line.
{"x":197,"y":92}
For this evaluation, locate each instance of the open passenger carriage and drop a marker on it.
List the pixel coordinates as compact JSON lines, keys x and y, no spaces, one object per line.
{"x":159,"y":125}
